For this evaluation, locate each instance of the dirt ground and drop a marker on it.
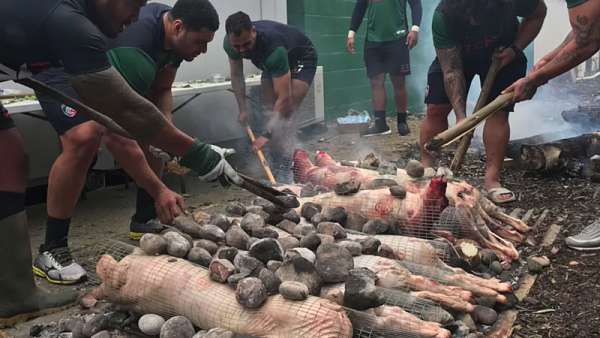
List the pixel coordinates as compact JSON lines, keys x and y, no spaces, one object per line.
{"x":564,"y":301}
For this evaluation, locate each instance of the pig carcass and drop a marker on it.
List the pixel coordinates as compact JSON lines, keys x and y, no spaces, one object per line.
{"x":419,"y":212}
{"x":168,"y":286}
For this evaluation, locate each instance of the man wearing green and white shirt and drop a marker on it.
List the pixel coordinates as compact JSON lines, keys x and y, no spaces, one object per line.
{"x":387,"y":45}
{"x":466,"y":36}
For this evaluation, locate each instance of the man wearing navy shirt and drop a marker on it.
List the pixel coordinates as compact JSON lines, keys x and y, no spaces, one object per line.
{"x":288,"y":62}
{"x":73,"y":34}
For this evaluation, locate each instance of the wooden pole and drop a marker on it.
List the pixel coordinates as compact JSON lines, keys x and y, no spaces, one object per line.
{"x":261,"y":156}
{"x":484,"y":96}
{"x":453,"y":134}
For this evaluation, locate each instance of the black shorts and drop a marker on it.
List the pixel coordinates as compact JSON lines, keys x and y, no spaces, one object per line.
{"x":5,"y":121}
{"x":390,"y":57}
{"x":302,"y":68}
{"x":61,"y":117}
{"x":436,"y":92}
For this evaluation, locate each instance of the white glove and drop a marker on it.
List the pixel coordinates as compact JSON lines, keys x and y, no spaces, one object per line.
{"x":223,"y":170}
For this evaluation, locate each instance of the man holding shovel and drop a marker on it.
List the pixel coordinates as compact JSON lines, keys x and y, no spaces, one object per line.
{"x":147,"y":55}
{"x":288,"y":62}
{"x":72,"y":33}
{"x":581,"y":43}
{"x":466,"y":35}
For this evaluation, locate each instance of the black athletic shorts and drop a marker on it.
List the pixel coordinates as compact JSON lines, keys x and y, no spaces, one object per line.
{"x":302,"y":68}
{"x":436,"y":92}
{"x":5,"y":121}
{"x":390,"y":57}
{"x":61,"y":117}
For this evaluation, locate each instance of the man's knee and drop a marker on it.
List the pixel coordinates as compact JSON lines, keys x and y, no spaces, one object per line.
{"x":378,"y":80}
{"x":438,"y":111}
{"x":82,"y":141}
{"x":116,"y":143}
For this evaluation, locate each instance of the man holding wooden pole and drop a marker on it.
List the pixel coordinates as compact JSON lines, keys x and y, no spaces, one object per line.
{"x":466,"y":35}
{"x":581,"y":43}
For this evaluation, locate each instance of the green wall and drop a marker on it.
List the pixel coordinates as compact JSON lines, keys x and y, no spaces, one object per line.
{"x":326,"y":23}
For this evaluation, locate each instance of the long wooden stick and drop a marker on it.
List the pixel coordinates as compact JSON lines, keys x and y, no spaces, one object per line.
{"x":261,"y":156}
{"x":484,"y":96}
{"x":453,"y":134}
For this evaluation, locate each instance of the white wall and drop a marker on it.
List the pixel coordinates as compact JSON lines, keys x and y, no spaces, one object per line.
{"x":555,"y":29}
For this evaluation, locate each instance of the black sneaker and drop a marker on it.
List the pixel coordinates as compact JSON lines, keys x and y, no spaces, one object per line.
{"x":403,"y":129}
{"x":138,"y":229}
{"x":377,"y":129}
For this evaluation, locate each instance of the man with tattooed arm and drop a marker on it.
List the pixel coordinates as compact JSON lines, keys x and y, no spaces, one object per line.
{"x":581,"y":43}
{"x":466,"y":34}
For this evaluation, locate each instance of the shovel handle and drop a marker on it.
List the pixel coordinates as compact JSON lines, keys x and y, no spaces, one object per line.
{"x":261,"y":156}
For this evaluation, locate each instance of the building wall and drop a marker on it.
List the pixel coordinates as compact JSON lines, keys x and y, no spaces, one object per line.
{"x":346,"y":82}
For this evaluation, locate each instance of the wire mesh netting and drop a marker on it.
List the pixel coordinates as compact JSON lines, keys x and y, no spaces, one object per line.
{"x":114,"y":248}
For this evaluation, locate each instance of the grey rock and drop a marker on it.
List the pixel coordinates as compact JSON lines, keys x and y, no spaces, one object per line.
{"x":274,"y":219}
{"x":221,"y":221}
{"x":199,"y":256}
{"x":303,"y":229}
{"x":236,"y":209}
{"x":70,"y":324}
{"x":102,"y":334}
{"x":177,"y":245}
{"x":153,"y":244}
{"x":96,"y":324}
{"x":292,"y":216}
{"x":398,"y":191}
{"x":237,"y":238}
{"x":212,"y":233}
{"x":353,"y":247}
{"x":150,"y":324}
{"x":355,"y":222}
{"x":386,"y":251}
{"x":186,"y":224}
{"x":332,"y":229}
{"x":302,"y":252}
{"x":468,"y":321}
{"x":255,"y":209}
{"x":227,"y":252}
{"x":207,"y":245}
{"x":270,"y":281}
{"x":219,"y":333}
{"x":177,"y":327}
{"x":325,"y":239}
{"x":287,"y":226}
{"x":370,"y":245}
{"x":376,"y":226}
{"x":273,"y":209}
{"x":288,"y":242}
{"x":347,"y":187}
{"x":333,"y":263}
{"x":360,"y":291}
{"x":64,"y":335}
{"x":336,"y":215}
{"x":251,"y":241}
{"x":260,"y":202}
{"x":234,"y":279}
{"x":293,"y":290}
{"x":266,"y":249}
{"x":246,"y":263}
{"x":274,"y":265}
{"x":265,"y":233}
{"x":537,"y":264}
{"x":220,"y":270}
{"x":496,"y":267}
{"x":251,"y":293}
{"x":251,"y":222}
{"x":310,"y":209}
{"x":300,"y":270}
{"x":310,"y":241}
{"x":379,"y":183}
{"x":200,"y":334}
{"x":415,"y":169}
{"x":317,"y":218}
{"x":487,"y":256}
{"x":484,"y":315}
{"x":488,"y":301}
